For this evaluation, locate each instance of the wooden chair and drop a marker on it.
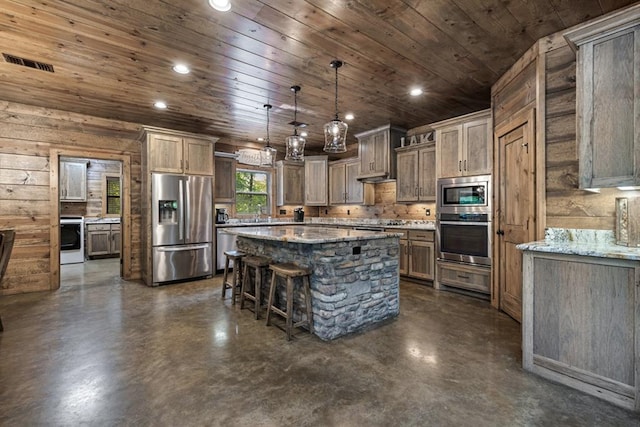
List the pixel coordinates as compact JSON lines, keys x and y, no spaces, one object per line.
{"x":259,"y":264}
{"x":234,"y":285}
{"x":290,"y":271}
{"x":6,"y":245}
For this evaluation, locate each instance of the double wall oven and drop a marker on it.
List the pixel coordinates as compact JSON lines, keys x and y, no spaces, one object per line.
{"x":463,"y":224}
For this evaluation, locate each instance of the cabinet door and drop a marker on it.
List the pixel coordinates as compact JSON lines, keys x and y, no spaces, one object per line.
{"x":421,"y":259}
{"x":407,"y":186}
{"x":426,"y":174}
{"x":198,"y":156}
{"x":337,"y":189}
{"x":449,"y":147}
{"x":116,"y":239}
{"x":73,"y":181}
{"x":99,"y":242}
{"x":293,"y":184}
{"x":165,"y":153}
{"x":316,"y":180}
{"x":477,"y":156}
{"x":404,"y":257}
{"x":353,"y":187}
{"x":225,"y":185}
{"x":381,"y":152}
{"x":366,"y":152}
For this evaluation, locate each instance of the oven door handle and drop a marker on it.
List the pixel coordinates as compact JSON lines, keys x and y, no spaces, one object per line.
{"x":464,"y":223}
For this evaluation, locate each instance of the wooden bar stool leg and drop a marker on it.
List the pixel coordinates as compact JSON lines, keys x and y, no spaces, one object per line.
{"x":245,"y":277}
{"x":289,"y":307}
{"x":225,"y":277}
{"x":307,"y":300}
{"x":272,"y":292}
{"x":256,"y":292}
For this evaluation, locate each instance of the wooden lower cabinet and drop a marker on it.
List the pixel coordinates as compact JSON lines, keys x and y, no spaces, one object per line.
{"x":464,"y":276}
{"x":417,"y":253}
{"x":580,"y":324}
{"x":103,"y":239}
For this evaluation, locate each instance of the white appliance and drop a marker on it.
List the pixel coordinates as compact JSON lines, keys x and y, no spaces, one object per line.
{"x":71,"y":239}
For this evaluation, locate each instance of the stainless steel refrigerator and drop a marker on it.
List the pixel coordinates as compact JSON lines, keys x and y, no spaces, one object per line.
{"x":182,"y":227}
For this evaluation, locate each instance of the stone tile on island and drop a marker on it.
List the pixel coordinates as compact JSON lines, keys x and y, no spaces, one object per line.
{"x":355,"y":277}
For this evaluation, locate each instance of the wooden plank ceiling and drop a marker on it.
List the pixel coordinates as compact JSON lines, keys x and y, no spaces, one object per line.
{"x":114,"y":58}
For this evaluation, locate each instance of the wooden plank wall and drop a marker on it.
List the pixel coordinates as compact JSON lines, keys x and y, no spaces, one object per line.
{"x":27,"y":134}
{"x":567,"y":206}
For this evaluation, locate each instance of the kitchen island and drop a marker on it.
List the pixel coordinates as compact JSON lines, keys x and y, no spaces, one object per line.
{"x":355,"y":278}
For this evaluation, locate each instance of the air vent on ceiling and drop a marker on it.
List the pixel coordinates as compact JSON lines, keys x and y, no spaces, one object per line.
{"x":27,"y":63}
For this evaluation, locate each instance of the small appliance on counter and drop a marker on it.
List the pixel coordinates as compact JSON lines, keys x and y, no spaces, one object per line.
{"x":221,"y":216}
{"x":298,"y":215}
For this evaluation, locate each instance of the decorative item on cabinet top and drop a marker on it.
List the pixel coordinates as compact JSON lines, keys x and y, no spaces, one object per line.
{"x":419,"y":138}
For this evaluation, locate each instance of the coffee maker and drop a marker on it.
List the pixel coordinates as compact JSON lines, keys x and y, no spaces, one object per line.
{"x":298,"y":215}
{"x":221,"y":216}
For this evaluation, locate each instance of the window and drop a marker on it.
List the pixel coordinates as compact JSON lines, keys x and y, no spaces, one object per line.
{"x":252,"y":192}
{"x":111,"y":202}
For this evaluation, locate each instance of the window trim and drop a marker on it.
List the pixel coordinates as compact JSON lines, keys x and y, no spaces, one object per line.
{"x":268,"y":210}
{"x":105,"y":178}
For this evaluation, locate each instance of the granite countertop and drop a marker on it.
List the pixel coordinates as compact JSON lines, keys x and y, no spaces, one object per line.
{"x":404,"y":225}
{"x":595,"y":243}
{"x":115,"y":220}
{"x":307,"y":235}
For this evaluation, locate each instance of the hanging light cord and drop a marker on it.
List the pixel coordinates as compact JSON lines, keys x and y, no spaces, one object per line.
{"x":268,"y":107}
{"x":336,"y":67}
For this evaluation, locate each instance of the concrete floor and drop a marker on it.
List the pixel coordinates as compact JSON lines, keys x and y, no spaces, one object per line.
{"x":105,"y":352}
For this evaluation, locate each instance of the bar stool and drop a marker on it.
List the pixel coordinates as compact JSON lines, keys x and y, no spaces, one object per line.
{"x":234,"y":285}
{"x":259,"y":265}
{"x":290,"y":271}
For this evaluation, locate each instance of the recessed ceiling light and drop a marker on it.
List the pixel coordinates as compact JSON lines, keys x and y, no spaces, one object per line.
{"x":304,"y":134}
{"x":416,"y":91}
{"x":160,"y":105}
{"x":221,"y":5}
{"x":349,"y":116}
{"x":181,"y":69}
{"x":260,"y":139}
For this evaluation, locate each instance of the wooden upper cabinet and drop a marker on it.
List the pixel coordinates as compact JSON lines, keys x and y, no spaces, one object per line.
{"x":73,"y":181}
{"x":344,"y":186}
{"x":316,"y":179}
{"x":179,"y":152}
{"x":225,"y":180}
{"x":416,"y":179}
{"x":607,"y":99}
{"x":375,"y":150}
{"x":290,"y":183}
{"x":465,"y":145}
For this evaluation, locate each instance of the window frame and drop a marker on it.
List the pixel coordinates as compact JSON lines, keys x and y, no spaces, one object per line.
{"x":265,"y":210}
{"x":105,"y":196}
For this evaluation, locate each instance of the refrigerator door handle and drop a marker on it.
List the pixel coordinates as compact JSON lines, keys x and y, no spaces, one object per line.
{"x":187,"y":203}
{"x":181,"y":210}
{"x":182,"y":248}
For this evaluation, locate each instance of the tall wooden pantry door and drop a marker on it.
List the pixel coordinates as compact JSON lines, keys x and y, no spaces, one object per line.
{"x":515,"y":206}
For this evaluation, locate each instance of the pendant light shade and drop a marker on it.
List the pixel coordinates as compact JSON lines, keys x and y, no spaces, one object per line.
{"x":335,"y":132}
{"x":295,"y":143}
{"x":268,"y":153}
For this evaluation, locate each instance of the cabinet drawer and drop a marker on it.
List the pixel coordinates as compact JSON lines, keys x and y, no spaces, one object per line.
{"x":425,"y":235}
{"x":115,"y":227}
{"x":468,"y":277}
{"x":98,"y":227}
{"x":405,"y":233}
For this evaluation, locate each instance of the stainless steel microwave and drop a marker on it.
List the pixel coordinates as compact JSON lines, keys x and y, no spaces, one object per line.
{"x":467,"y":194}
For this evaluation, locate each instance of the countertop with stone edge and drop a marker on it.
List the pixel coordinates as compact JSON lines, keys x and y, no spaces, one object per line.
{"x":422,"y":225}
{"x":104,"y":220}
{"x":308,"y":235}
{"x":594,"y":243}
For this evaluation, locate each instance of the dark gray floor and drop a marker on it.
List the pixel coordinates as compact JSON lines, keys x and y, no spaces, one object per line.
{"x":113,"y":353}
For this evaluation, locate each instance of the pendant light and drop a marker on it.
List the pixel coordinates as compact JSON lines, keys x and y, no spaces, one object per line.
{"x":268,"y":153}
{"x":335,"y":132}
{"x":295,"y":143}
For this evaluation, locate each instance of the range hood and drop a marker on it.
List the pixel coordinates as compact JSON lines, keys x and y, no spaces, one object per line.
{"x":381,"y":177}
